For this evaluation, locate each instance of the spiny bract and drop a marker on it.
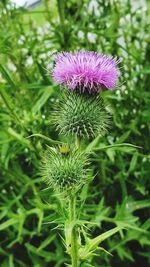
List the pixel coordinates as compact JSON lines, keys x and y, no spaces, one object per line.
{"x":64,"y":172}
{"x":81,"y":115}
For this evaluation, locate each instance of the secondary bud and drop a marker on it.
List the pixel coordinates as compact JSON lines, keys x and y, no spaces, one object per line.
{"x":64,"y":172}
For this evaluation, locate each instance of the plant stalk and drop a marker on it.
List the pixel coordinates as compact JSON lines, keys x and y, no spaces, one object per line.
{"x":74,"y":234}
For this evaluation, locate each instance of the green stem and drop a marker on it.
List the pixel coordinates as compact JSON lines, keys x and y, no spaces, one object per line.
{"x":74,"y":234}
{"x":61,"y":11}
{"x":77,"y":142}
{"x":123,"y":187}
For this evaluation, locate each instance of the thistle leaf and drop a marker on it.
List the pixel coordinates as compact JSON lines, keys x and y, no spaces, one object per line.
{"x":92,"y":244}
{"x":99,"y":239}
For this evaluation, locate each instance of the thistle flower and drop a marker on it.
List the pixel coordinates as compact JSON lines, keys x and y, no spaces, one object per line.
{"x":86,"y":71}
{"x":64,"y":172}
{"x":81,"y":115}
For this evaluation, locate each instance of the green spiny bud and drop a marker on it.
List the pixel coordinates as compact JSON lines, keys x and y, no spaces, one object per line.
{"x":64,"y":172}
{"x":83,"y":115}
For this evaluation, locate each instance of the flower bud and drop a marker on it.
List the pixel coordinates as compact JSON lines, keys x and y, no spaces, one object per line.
{"x":82,"y":115}
{"x":64,"y":172}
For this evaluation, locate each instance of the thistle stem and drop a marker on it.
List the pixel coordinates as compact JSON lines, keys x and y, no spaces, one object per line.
{"x":74,"y":235}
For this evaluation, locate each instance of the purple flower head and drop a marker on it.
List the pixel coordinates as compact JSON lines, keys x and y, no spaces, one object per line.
{"x":85,"y":70}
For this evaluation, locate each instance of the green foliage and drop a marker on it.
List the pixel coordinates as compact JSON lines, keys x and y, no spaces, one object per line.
{"x":119,"y":194}
{"x":81,"y":115}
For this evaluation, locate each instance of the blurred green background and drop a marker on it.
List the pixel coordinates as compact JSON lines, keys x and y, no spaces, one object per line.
{"x":29,"y":36}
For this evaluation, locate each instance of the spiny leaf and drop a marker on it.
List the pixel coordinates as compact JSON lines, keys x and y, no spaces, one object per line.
{"x":8,"y":223}
{"x":42,"y":100}
{"x":93,"y":244}
{"x":45,"y":138}
{"x":7,"y":77}
{"x":46,"y":242}
{"x":116,"y":146}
